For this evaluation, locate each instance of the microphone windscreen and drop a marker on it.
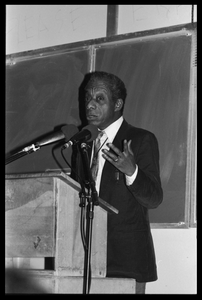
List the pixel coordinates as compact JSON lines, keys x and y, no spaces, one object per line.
{"x":69,"y":131}
{"x":93,"y":130}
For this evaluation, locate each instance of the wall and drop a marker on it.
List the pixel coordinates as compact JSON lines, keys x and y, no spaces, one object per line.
{"x":145,"y":17}
{"x":176,"y":261}
{"x":31,"y":27}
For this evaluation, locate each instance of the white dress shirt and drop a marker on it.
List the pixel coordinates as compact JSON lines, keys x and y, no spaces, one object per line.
{"x":108,"y":137}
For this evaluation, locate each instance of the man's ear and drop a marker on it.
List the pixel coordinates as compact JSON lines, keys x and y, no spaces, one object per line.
{"x":118,"y":105}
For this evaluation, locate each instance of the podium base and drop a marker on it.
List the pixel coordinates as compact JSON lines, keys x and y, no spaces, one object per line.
{"x":55,"y":283}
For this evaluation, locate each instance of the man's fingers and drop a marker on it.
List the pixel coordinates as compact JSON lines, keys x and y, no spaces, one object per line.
{"x":115,"y":149}
{"x":109,"y":154}
{"x":129,"y":148}
{"x":125,"y":147}
{"x":116,"y":152}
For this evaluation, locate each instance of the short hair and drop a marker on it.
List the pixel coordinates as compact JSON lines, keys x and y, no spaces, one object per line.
{"x":114,"y":83}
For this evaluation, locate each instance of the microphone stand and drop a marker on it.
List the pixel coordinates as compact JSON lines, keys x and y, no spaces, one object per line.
{"x":92,"y":199}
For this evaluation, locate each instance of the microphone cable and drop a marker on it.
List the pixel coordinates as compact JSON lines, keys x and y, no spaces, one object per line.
{"x":82,"y":204}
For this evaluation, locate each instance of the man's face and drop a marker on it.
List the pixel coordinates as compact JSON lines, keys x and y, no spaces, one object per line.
{"x":100,"y":108}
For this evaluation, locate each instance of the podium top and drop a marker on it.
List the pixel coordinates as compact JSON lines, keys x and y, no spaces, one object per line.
{"x":74,"y":184}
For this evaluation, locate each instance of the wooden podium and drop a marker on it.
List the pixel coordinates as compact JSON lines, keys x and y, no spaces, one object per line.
{"x":43,"y":220}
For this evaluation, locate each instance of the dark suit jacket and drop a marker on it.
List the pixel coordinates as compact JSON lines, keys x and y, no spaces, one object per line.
{"x":130,"y":251}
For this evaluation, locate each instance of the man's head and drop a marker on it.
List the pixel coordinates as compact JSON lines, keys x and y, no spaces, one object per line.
{"x":105,"y":96}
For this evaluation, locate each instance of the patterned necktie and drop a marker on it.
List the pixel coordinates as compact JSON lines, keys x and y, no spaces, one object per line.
{"x":95,"y":161}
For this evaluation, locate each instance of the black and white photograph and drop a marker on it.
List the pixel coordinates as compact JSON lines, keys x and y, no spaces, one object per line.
{"x":101,"y":149}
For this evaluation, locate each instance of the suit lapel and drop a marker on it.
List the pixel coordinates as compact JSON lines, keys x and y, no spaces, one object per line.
{"x":121,"y":135}
{"x":109,"y":170}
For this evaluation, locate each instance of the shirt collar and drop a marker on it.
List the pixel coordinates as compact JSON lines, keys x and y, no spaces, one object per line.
{"x":113,"y":128}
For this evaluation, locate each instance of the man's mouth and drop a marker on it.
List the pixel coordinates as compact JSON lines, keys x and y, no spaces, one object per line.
{"x":91,"y":117}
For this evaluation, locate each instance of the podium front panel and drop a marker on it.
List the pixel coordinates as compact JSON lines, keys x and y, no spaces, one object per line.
{"x":30,"y":217}
{"x":43,"y":220}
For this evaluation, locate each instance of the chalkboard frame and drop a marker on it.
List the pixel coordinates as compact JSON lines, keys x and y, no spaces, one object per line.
{"x":92,"y":45}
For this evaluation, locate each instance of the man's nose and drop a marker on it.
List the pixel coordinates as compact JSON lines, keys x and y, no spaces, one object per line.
{"x":91,"y":104}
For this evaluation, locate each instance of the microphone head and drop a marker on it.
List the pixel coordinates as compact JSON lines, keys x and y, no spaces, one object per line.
{"x":93,"y":131}
{"x":69,"y":131}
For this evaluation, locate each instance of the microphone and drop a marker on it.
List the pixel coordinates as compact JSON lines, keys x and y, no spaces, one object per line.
{"x":87,"y":134}
{"x":65,"y":133}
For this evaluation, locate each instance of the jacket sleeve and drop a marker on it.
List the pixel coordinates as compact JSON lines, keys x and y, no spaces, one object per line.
{"x":147,"y":188}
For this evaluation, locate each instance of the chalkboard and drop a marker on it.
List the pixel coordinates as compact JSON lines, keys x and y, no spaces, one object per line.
{"x":41,"y":97}
{"x":157,"y":73}
{"x":157,"y":67}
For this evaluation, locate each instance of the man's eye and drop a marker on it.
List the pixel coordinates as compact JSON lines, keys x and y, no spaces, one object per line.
{"x":100,"y":98}
{"x":87,"y":99}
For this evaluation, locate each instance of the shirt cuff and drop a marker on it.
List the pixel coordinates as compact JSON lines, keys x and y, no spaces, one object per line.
{"x":131,"y":179}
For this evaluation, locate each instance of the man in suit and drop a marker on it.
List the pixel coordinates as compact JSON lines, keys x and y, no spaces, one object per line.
{"x":127,"y":178}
